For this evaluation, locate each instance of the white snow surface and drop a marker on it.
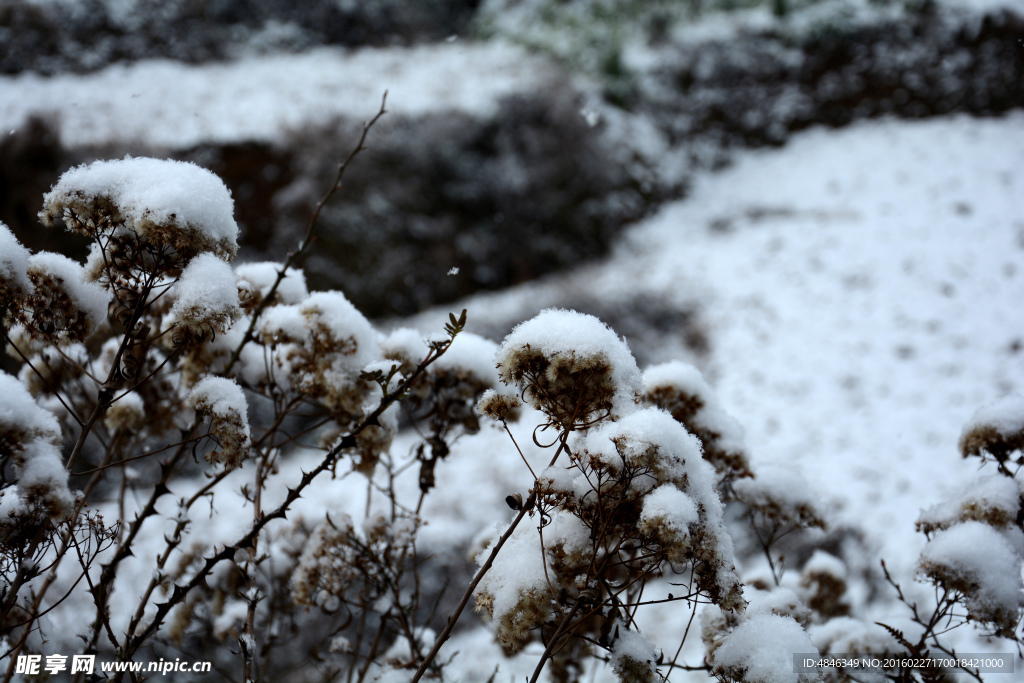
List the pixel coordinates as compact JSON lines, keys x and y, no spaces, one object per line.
{"x":206,"y":291}
{"x":169,"y":104}
{"x":160,"y":191}
{"x":763,"y":647}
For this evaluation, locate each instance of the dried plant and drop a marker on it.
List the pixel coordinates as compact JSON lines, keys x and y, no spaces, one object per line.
{"x":148,"y":483}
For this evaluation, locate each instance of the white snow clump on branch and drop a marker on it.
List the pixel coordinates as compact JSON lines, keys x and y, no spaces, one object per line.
{"x":223,"y":401}
{"x":174,"y":203}
{"x":761,"y":649}
{"x":260,"y":276}
{"x":13,"y":265}
{"x":983,"y":564}
{"x":207,"y":296}
{"x":572,"y":365}
{"x":32,"y":436}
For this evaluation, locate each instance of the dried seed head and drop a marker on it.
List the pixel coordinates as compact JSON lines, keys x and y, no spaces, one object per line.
{"x":994,"y":500}
{"x":128,"y":414}
{"x":206,"y":297}
{"x":679,"y":389}
{"x":223,"y":401}
{"x":167,"y":204}
{"x":257,"y":278}
{"x":62,"y":306}
{"x":782,"y":496}
{"x":328,"y":563}
{"x":982,"y":564}
{"x":996,"y":429}
{"x":570,"y":366}
{"x":633,"y":657}
{"x":499,"y":406}
{"x":824,"y":579}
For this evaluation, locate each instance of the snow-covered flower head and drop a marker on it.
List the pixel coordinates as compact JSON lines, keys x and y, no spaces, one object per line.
{"x":499,"y":405}
{"x":169,"y":204}
{"x":207,"y":297}
{"x":761,"y":649}
{"x":983,"y":565}
{"x":223,"y":401}
{"x":14,"y":282}
{"x":320,"y":347}
{"x":31,"y":436}
{"x":570,"y":366}
{"x":633,"y":657}
{"x":256,"y":279}
{"x":996,"y":429}
{"x":680,"y":389}
{"x":62,"y":305}
{"x":678,"y":503}
{"x":782,"y":496}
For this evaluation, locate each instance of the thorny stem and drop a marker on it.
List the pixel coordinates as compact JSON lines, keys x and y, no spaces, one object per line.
{"x":107,"y":388}
{"x":554,"y":639}
{"x":180,"y":592}
{"x":447,"y":631}
{"x":124,"y":549}
{"x":293,"y":256}
{"x":53,"y":390}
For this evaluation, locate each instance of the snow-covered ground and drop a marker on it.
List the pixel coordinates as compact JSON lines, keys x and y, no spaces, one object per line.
{"x":164,"y":103}
{"x":861,"y":290}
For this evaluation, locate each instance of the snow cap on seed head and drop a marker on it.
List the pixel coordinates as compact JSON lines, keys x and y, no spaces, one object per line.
{"x":169,"y":203}
{"x":570,"y":366}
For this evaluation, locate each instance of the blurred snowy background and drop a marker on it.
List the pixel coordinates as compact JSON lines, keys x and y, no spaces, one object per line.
{"x":819,"y":204}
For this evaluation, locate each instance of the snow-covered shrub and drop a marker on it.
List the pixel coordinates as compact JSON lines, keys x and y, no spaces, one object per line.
{"x":173,"y":417}
{"x":974,"y":556}
{"x":626,"y":499}
{"x":681,"y":390}
{"x":156,"y":367}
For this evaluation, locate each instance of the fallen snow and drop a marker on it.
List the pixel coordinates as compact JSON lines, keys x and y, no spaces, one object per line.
{"x":168,"y":104}
{"x":860,"y":289}
{"x":763,"y":647}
